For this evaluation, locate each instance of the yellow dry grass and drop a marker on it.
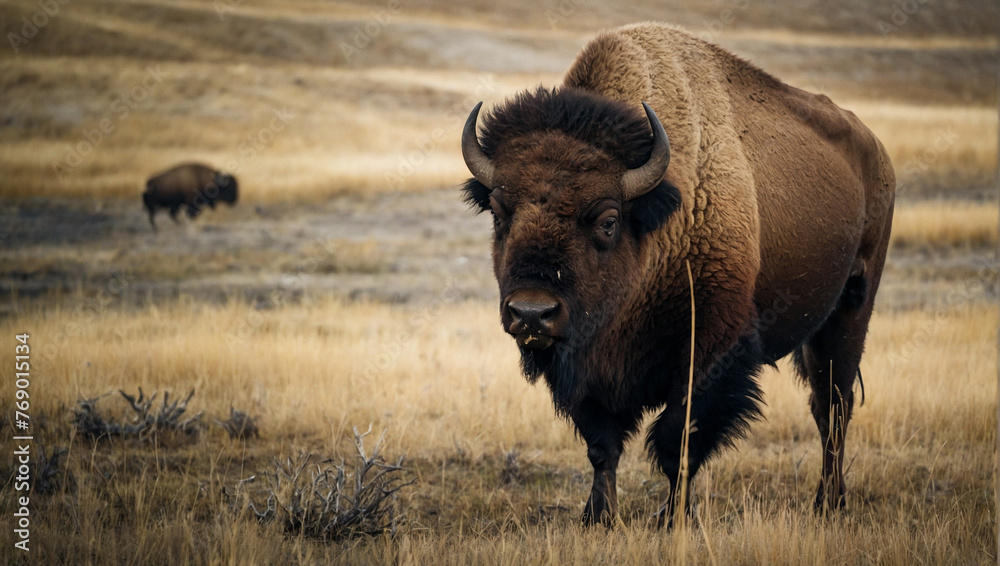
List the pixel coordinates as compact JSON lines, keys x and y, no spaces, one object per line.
{"x":945,"y":224}
{"x":443,"y":381}
{"x":927,"y":139}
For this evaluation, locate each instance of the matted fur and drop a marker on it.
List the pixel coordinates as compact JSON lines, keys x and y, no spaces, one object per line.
{"x":617,"y":128}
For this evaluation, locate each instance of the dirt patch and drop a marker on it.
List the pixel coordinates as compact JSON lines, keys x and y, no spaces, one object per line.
{"x":415,"y":247}
{"x":387,"y":247}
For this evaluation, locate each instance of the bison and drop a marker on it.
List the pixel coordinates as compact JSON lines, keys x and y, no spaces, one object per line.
{"x":190,"y":185}
{"x":661,"y":153}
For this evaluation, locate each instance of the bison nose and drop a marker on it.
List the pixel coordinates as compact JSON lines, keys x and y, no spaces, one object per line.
{"x":535,"y":317}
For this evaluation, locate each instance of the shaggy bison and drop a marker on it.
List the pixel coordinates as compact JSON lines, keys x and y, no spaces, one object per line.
{"x":191,"y":186}
{"x":778,"y":201}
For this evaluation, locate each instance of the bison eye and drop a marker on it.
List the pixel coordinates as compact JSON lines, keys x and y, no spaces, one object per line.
{"x":607,"y":227}
{"x":500,"y":215}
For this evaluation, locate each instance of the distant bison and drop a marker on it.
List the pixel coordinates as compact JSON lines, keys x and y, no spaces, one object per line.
{"x":777,"y":200}
{"x":191,"y":186}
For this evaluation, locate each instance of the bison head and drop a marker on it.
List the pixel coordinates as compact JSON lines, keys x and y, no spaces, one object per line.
{"x":227,"y":186}
{"x":575,"y":183}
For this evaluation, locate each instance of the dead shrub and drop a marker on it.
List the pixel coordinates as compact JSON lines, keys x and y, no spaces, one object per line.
{"x":143,"y":423}
{"x":326,"y":501}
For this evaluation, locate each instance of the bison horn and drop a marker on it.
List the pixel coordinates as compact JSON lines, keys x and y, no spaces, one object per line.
{"x":475,"y":158}
{"x":639,"y":181}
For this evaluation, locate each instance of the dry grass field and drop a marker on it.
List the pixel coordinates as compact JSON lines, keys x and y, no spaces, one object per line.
{"x":350,"y":287}
{"x":499,"y":478}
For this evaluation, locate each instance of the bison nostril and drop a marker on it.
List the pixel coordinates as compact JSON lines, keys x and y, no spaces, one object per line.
{"x":533,"y":315}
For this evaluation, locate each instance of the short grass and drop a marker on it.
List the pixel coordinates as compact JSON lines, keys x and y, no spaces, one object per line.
{"x":500,"y":479}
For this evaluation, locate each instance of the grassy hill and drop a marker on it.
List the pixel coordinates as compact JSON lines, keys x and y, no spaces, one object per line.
{"x":375,"y":94}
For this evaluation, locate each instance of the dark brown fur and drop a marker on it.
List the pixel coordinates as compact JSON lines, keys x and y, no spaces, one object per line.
{"x":779,"y":201}
{"x":190,"y":186}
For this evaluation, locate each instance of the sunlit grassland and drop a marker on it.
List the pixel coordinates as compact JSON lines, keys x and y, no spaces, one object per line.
{"x":342,"y":142}
{"x":389,"y":119}
{"x":499,"y":477}
{"x":945,"y":224}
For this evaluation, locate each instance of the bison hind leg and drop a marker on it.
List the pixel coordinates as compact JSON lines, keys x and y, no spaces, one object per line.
{"x":727,"y":398}
{"x":855,"y":293}
{"x":829,"y":361}
{"x":149,"y":202}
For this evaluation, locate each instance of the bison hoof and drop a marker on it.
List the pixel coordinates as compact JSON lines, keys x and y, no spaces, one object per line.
{"x":590,"y":519}
{"x":664,"y":518}
{"x":597,"y":515}
{"x":827,"y":502}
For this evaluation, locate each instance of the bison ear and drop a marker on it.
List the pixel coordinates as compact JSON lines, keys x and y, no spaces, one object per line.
{"x":651,"y":210}
{"x":477,"y":195}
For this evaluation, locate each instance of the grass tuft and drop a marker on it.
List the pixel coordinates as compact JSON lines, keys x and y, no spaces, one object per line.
{"x":49,"y":473}
{"x":327,"y":502}
{"x":239,"y":425}
{"x":143,"y":423}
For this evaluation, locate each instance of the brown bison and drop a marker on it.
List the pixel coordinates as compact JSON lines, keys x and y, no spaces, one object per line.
{"x":778,"y":200}
{"x":191,"y":186}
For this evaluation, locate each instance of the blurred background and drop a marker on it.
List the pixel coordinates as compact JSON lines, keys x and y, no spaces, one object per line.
{"x":342,"y":121}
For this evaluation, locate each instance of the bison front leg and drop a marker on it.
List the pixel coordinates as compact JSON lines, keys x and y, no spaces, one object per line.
{"x":605,"y":436}
{"x":726,"y":398}
{"x":602,"y":505}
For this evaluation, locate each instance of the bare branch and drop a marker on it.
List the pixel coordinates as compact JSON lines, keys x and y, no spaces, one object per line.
{"x":142,"y":423}
{"x":320,"y":505}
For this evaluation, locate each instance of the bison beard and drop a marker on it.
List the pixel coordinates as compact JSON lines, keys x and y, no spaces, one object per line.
{"x":596,"y":214}
{"x":559,"y":364}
